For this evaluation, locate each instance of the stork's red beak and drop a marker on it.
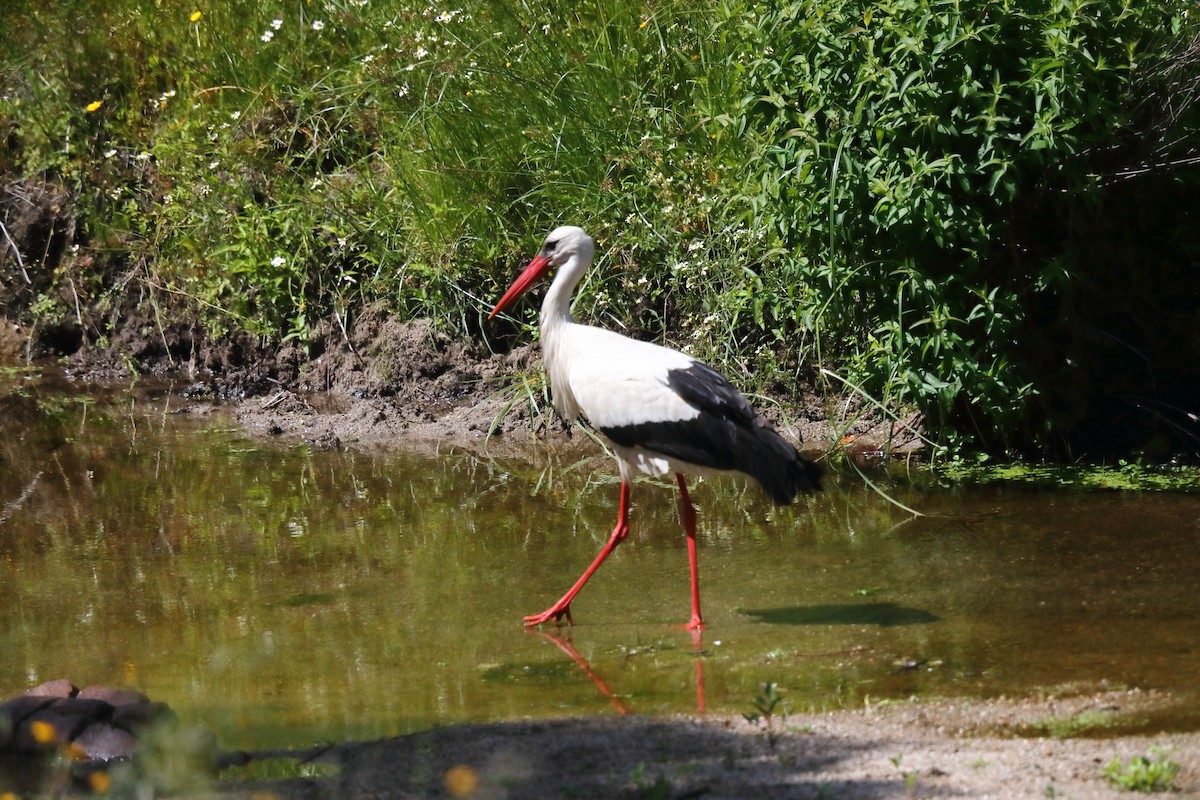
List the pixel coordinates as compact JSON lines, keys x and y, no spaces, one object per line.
{"x":531,"y":275}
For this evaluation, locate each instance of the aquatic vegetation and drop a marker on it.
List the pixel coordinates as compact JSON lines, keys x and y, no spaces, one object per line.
{"x":1123,"y":475}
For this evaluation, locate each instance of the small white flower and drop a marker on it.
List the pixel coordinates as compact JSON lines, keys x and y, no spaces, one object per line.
{"x":403,"y":90}
{"x":546,"y":28}
{"x":368,"y":58}
{"x":235,"y":115}
{"x":318,"y":25}
{"x":267,"y":36}
{"x":214,"y":164}
{"x":444,"y":17}
{"x":110,"y":153}
{"x":143,"y":156}
{"x":421,"y":52}
{"x":276,"y":24}
{"x":278,"y":261}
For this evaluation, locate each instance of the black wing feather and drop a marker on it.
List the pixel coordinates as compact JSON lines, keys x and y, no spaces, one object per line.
{"x":727,"y":435}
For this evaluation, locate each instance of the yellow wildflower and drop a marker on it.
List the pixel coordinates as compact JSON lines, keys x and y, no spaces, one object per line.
{"x":461,"y":780}
{"x":100,"y":782}
{"x":196,"y":15}
{"x":94,"y":105}
{"x":43,"y":732}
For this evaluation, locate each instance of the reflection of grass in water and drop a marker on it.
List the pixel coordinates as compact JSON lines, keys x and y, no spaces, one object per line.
{"x":883,"y":614}
{"x":271,"y":769}
{"x":1125,"y":475}
{"x":519,"y":673}
{"x":306,"y":599}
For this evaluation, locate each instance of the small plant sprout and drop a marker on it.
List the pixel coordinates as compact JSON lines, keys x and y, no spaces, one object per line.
{"x":768,"y":708}
{"x":1154,"y":773}
{"x":910,"y":776}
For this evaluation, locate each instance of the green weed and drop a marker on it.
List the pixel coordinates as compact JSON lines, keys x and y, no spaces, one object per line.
{"x":770,"y":711}
{"x":1085,"y":723}
{"x":1155,"y":773}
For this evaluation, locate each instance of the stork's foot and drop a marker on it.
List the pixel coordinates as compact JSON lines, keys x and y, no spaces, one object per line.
{"x":553,"y":614}
{"x":696,"y":624}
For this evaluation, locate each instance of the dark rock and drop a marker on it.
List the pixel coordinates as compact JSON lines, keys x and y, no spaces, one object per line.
{"x":93,"y":729}
{"x":134,"y":718}
{"x":66,"y":716}
{"x":59,"y":688}
{"x":103,"y":741}
{"x":113,"y":695}
{"x":96,"y":710}
{"x":14,"y":713}
{"x":45,"y":730}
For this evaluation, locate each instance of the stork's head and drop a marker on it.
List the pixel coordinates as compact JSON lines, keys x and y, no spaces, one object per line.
{"x":564,"y":244}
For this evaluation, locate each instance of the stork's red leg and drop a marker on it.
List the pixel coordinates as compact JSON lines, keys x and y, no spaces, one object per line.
{"x":563,"y":607}
{"x":687,"y":513}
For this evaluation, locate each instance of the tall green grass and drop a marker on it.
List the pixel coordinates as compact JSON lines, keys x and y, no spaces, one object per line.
{"x":896,"y":191}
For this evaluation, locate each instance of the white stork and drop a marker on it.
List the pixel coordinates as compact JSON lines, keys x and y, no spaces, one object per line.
{"x":663,"y":411}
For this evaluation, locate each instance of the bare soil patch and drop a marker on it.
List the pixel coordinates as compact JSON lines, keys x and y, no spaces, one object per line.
{"x":383,"y":382}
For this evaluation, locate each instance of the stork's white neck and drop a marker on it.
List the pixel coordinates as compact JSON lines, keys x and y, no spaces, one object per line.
{"x":556,"y":323}
{"x":556,"y":306}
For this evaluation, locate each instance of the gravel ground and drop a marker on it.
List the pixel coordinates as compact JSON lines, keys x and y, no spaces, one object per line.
{"x":932,"y":749}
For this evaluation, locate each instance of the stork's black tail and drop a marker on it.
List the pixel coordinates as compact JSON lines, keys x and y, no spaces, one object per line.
{"x":727,"y":435}
{"x":771,"y":460}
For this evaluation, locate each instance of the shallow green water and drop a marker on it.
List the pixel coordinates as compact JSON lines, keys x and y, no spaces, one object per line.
{"x":279,"y":596}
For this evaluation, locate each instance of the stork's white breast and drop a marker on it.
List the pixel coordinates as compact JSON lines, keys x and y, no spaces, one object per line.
{"x":614,"y":380}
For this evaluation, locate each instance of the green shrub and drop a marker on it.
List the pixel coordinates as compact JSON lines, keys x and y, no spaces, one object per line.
{"x":981,"y":211}
{"x":928,"y":166}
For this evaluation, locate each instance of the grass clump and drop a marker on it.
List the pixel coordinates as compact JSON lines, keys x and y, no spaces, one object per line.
{"x":1090,"y":722}
{"x":1153,"y":773}
{"x":933,"y":201}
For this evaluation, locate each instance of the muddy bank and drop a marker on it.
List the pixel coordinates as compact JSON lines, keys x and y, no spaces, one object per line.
{"x":384,"y":382}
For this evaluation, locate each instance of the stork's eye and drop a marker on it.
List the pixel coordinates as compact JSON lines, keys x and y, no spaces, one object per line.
{"x":548,"y":247}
